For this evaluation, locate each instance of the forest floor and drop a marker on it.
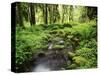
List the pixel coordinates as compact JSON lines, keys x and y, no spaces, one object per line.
{"x":56,"y":47}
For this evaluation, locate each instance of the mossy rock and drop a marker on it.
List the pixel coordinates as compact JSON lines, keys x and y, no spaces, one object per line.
{"x":79,"y":60}
{"x":71,"y":54}
{"x":70,"y":36}
{"x":72,"y":66}
{"x":59,"y":46}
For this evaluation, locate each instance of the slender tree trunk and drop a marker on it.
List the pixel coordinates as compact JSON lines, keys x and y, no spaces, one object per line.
{"x":20,"y":15}
{"x":62,"y":15}
{"x":69,"y":13}
{"x":50,"y":9}
{"x":32,"y":14}
{"x":91,"y":12}
{"x":45,"y":11}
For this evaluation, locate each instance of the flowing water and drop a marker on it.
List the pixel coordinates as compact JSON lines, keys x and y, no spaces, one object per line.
{"x":41,"y":68}
{"x":49,"y":60}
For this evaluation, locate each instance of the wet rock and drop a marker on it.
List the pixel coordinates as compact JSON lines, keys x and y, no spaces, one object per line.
{"x":72,"y":66}
{"x":41,"y":55}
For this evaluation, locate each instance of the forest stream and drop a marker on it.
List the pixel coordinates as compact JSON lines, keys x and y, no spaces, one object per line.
{"x":48,"y":60}
{"x":52,"y":37}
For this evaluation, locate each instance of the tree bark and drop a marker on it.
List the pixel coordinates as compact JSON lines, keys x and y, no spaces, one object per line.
{"x":45,"y":11}
{"x":32,"y":14}
{"x":20,"y":15}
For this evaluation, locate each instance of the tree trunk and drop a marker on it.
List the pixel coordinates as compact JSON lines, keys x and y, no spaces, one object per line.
{"x":20,"y":15}
{"x":45,"y":11}
{"x":71,"y":13}
{"x":91,"y":12}
{"x":32,"y":14}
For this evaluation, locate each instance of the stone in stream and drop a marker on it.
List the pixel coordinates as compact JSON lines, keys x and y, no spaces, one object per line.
{"x":56,"y":43}
{"x":50,"y":45}
{"x":61,"y":42}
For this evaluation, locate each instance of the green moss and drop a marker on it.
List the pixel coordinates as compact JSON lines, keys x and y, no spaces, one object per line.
{"x":71,"y":54}
{"x":31,"y":40}
{"x":72,"y":66}
{"x":58,"y":46}
{"x":79,"y":60}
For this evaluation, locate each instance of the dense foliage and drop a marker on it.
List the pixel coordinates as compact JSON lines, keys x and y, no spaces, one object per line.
{"x":39,"y":24}
{"x":33,"y":39}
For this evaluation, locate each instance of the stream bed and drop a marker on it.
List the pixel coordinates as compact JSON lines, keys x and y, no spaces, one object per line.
{"x":50,"y":59}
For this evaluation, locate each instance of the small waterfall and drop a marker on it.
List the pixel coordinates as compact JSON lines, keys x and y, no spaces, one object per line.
{"x":50,"y":45}
{"x":61,"y":42}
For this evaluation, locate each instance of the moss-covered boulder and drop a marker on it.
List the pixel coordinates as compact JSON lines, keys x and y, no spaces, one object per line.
{"x":72,"y":66}
{"x":58,"y":46}
{"x":71,"y":54}
{"x":79,"y":60}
